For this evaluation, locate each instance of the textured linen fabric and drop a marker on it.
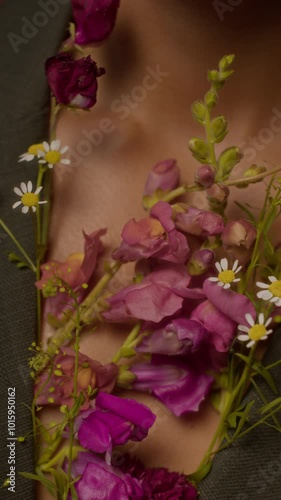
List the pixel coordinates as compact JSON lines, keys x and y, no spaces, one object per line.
{"x":24,"y":103}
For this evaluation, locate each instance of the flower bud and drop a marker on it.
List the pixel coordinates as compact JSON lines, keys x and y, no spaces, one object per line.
{"x":200,"y":262}
{"x":211,"y":99}
{"x":228,"y":159}
{"x":200,"y":149}
{"x":238,"y":238}
{"x":253,"y":171}
{"x":165,"y":175}
{"x":198,"y":111}
{"x":217,"y":195}
{"x":205,"y":176}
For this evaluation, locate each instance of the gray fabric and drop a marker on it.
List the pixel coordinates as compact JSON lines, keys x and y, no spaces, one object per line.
{"x":24,"y":120}
{"x":251,"y":468}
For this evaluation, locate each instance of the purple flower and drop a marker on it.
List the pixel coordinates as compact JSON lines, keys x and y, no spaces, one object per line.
{"x":200,"y":262}
{"x":159,"y":295}
{"x":165,"y":175}
{"x":176,"y":383}
{"x":199,"y":222}
{"x":205,"y":176}
{"x":154,"y":236}
{"x":233,"y":305}
{"x":73,"y":83}
{"x":179,"y":337}
{"x":102,"y":479}
{"x":159,"y":483}
{"x":94,"y":19}
{"x":78,"y":269}
{"x":59,"y":389}
{"x":238,"y":238}
{"x":114,"y":421}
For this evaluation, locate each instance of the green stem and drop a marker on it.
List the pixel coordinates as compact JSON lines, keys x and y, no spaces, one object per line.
{"x":277,"y":363}
{"x":21,"y":249}
{"x":264,"y":400}
{"x":128,"y":342}
{"x":213,"y":160}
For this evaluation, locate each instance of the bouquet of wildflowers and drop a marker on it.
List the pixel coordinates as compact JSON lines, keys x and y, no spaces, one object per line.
{"x":205,"y":296}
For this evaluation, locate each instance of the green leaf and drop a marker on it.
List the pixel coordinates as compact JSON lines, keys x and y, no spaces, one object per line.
{"x":219,"y":128}
{"x":244,"y":418}
{"x":270,"y":406}
{"x":41,"y":478}
{"x":201,"y":473}
{"x":246,"y":210}
{"x":15,"y":259}
{"x":266,"y":375}
{"x":226,"y":62}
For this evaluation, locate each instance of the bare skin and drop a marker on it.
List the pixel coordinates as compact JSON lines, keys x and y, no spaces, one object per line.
{"x":105,"y":189}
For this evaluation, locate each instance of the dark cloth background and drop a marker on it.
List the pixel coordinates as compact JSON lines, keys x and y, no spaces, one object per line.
{"x":251,"y":469}
{"x":24,"y":109}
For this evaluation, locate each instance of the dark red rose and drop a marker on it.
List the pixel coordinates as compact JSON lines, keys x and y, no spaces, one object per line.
{"x":74,"y":83}
{"x":94,"y":19}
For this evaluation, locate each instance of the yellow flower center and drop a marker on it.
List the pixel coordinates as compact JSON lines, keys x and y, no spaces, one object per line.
{"x":275,"y":289}
{"x":226,"y":276}
{"x":257,"y":332}
{"x":53,"y":157}
{"x":30,"y":199}
{"x":33,"y":150}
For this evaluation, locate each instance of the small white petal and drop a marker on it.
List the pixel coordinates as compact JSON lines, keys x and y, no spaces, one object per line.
{"x":40,"y":153}
{"x":46,"y":146}
{"x":15,"y":205}
{"x":42,"y":161}
{"x":243,"y":328}
{"x":29,"y":186}
{"x":250,"y":344}
{"x":38,"y":189}
{"x":33,"y":209}
{"x":42,"y":202}
{"x":220,"y":283}
{"x":268,"y":321}
{"x":224,"y":264}
{"x":238,"y":269}
{"x":65,"y":161}
{"x":24,"y":210}
{"x":272,"y":278}
{"x":218,"y":266}
{"x":243,"y":337}
{"x":18,"y":191}
{"x":262,"y":285}
{"x":236,"y":279}
{"x":269,"y":331}
{"x":64,"y":149}
{"x":274,"y":299}
{"x":264,"y":294}
{"x":23,"y":187}
{"x":235,"y":265}
{"x":213,"y":279}
{"x":249,"y":319}
{"x":226,"y":285}
{"x":278,"y":303}
{"x":261,"y":318}
{"x":50,"y":165}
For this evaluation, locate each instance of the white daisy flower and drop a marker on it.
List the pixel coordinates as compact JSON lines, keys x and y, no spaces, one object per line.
{"x":29,"y":199}
{"x":271,"y":291}
{"x":52,"y":154}
{"x":226,"y":276}
{"x":256,"y":331}
{"x":32,"y":152}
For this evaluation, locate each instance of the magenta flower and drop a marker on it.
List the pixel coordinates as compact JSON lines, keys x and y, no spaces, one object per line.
{"x":78,"y":269}
{"x":114,"y":421}
{"x":73,"y":82}
{"x":94,"y":19}
{"x":238,"y":238}
{"x":233,"y":305}
{"x":179,"y":337}
{"x":91,"y":374}
{"x":199,"y":222}
{"x":103,"y":479}
{"x":154,"y":236}
{"x":159,"y":483}
{"x":165,"y":175}
{"x":159,"y":295}
{"x":175,"y":382}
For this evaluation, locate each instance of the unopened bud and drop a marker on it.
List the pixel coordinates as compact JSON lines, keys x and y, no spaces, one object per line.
{"x":205,"y":176}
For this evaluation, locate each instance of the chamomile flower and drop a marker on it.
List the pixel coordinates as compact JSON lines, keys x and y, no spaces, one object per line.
{"x":256,"y":331}
{"x":271,"y":291}
{"x":226,"y":276}
{"x":29,"y":199}
{"x":31,"y":153}
{"x":52,"y":154}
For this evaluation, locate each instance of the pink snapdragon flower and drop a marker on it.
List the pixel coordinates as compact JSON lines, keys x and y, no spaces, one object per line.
{"x":238,"y":238}
{"x":155,"y":236}
{"x":91,"y":375}
{"x":94,"y":19}
{"x":199,"y":222}
{"x":165,"y":175}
